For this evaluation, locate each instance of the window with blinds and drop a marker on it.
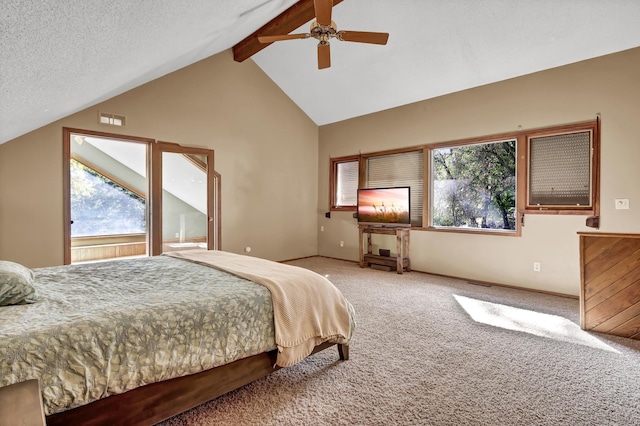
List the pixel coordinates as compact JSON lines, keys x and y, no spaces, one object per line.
{"x":400,"y":169}
{"x":560,"y":170}
{"x":344,"y":183}
{"x":481,"y":182}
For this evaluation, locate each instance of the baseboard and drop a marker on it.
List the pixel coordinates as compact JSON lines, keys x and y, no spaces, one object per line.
{"x":469,"y":280}
{"x":492,"y":284}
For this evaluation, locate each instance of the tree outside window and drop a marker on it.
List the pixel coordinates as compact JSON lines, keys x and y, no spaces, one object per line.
{"x":474,"y":186}
{"x":100,"y":206}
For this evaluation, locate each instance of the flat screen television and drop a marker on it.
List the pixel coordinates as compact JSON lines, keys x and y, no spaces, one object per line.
{"x":384,"y":206}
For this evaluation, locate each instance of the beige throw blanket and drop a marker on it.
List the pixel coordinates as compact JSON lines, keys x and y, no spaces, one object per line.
{"x":308,"y":308}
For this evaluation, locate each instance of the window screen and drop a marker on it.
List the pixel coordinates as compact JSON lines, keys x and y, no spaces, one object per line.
{"x":401,"y":169}
{"x":560,"y":170}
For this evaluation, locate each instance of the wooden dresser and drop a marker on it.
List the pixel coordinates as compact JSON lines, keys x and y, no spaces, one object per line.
{"x":610,"y":283}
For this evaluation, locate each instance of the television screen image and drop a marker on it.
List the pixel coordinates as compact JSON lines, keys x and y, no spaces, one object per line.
{"x":384,"y":206}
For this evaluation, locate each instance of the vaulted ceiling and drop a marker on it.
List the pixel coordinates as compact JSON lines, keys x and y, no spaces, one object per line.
{"x":59,"y":57}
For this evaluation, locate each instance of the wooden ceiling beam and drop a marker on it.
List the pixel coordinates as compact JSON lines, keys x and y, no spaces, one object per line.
{"x":292,"y":18}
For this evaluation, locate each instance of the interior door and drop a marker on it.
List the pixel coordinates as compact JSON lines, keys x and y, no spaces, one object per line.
{"x":183,"y":203}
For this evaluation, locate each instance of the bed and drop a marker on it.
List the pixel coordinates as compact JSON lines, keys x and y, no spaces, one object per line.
{"x":137,"y":341}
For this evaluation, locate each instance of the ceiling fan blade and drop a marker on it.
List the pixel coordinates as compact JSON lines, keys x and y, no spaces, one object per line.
{"x":363,"y":37}
{"x":271,"y":39}
{"x":323,"y":11}
{"x":324,"y":56}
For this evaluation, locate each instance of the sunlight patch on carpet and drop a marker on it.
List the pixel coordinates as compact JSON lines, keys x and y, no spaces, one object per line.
{"x":539,"y":324}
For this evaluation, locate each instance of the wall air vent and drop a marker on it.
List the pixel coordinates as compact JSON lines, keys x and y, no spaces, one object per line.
{"x":111,"y":119}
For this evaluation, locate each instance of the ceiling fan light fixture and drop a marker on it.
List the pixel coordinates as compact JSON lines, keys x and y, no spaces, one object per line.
{"x":323,"y":32}
{"x":324,"y":29}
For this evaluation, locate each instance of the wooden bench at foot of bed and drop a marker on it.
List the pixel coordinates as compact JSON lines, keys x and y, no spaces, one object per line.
{"x":159,"y":401}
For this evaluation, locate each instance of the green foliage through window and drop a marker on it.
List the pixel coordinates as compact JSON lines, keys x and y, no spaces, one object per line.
{"x":474,"y":186}
{"x":100,"y":206}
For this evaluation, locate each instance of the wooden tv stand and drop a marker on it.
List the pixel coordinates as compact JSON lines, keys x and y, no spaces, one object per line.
{"x":400,"y":261}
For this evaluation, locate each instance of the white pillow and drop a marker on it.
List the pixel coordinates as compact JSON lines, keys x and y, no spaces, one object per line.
{"x":16,"y":284}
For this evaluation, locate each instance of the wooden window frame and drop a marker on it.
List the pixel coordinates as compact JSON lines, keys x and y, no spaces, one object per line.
{"x":362,"y":174}
{"x":594,"y":208}
{"x":522,"y":138}
{"x":474,"y":141}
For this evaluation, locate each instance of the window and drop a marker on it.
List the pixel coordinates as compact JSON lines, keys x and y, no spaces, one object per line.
{"x":473,"y":186}
{"x":399,"y":169}
{"x":344,"y":183}
{"x":116,"y":202}
{"x":562,"y":171}
{"x":484,"y":184}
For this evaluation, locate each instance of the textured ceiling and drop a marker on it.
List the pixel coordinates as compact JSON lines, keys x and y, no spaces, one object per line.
{"x":58,"y":57}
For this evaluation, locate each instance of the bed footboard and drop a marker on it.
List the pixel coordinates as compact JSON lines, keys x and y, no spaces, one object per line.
{"x":159,"y":401}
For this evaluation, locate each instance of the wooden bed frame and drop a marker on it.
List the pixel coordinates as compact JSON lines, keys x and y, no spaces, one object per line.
{"x":159,"y":401}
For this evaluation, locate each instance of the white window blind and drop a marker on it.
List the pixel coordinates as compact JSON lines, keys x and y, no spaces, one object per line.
{"x":346,"y":184}
{"x":401,"y":169}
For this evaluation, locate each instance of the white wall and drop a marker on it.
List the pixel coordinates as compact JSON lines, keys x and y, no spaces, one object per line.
{"x":608,"y":85}
{"x":266,"y":150}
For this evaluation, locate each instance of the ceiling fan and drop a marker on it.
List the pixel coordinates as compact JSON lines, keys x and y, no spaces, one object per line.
{"x":324,"y":29}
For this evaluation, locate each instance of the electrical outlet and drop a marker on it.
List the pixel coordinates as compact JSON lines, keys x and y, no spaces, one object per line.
{"x":321,"y":228}
{"x":341,"y":243}
{"x":536,"y":266}
{"x":622,"y":204}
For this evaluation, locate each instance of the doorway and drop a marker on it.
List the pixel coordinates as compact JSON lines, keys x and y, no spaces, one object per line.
{"x":185,"y":198}
{"x":129,"y":197}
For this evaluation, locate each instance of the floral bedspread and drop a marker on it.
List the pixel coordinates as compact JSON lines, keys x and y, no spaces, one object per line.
{"x":104,"y":328}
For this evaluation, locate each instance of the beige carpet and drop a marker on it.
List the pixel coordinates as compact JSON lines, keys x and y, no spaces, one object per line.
{"x":436,"y":351}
